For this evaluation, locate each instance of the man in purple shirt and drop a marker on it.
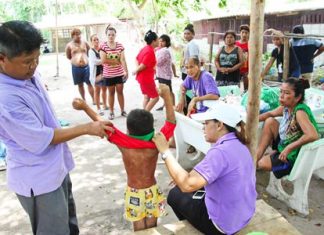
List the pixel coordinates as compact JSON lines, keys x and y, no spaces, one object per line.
{"x":227,"y":175}
{"x":202,"y":85}
{"x":38,"y":160}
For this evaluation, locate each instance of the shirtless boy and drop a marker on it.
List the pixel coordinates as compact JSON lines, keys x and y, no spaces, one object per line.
{"x":77,"y":51}
{"x":144,"y":201}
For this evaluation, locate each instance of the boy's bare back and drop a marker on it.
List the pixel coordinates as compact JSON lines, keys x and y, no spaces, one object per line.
{"x":140,"y":166}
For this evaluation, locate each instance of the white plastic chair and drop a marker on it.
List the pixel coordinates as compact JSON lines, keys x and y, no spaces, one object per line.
{"x":189,"y":132}
{"x":310,"y":161}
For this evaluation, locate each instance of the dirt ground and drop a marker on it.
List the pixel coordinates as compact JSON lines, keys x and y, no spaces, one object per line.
{"x":99,"y":177}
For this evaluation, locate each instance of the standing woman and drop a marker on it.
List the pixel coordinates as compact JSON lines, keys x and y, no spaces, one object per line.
{"x":96,"y":73}
{"x":191,"y":50}
{"x":164,"y":64}
{"x":115,"y":70}
{"x":228,"y":61}
{"x":146,"y":63}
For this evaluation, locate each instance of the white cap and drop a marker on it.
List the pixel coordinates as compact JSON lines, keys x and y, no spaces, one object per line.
{"x":226,"y":113}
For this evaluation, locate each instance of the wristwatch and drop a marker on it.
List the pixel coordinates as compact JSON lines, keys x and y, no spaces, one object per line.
{"x":166,"y":154}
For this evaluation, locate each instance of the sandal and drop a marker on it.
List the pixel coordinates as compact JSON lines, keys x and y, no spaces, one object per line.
{"x":124,"y":114}
{"x":101,"y":112}
{"x":111,"y":116}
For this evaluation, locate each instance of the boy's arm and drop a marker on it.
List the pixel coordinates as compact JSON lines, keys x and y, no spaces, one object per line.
{"x":80,"y":104}
{"x":166,"y":96}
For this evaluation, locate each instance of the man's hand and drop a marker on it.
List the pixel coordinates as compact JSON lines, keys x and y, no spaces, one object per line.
{"x":79,"y":104}
{"x":99,"y":128}
{"x":161,"y":143}
{"x":164,"y":91}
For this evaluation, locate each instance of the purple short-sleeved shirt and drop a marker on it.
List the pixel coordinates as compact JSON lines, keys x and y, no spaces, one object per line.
{"x":27,"y":123}
{"x":205,"y":85}
{"x":230,"y":191}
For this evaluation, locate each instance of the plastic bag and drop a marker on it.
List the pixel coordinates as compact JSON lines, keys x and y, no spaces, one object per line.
{"x":269,"y":95}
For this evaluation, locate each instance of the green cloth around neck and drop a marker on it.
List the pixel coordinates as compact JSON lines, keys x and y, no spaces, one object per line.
{"x":146,"y":137}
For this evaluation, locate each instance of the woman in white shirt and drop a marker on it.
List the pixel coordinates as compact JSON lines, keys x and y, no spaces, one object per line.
{"x":96,"y":74}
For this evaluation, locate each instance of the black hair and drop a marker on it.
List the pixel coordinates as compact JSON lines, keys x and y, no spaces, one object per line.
{"x":230,"y":32}
{"x":18,"y":37}
{"x":245,"y":27}
{"x":190,"y":28}
{"x":149,"y":37}
{"x":166,"y":39}
{"x":92,"y":36}
{"x":298,"y":29}
{"x":239,"y":132}
{"x":298,"y":87}
{"x":110,"y":28}
{"x":75,"y":31}
{"x":139,"y":122}
{"x":195,"y":59}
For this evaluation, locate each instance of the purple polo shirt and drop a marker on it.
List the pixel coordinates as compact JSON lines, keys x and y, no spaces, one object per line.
{"x":230,"y":191}
{"x":205,"y":85}
{"x":27,"y":123}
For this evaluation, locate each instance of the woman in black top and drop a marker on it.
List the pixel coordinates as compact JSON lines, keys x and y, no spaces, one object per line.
{"x":228,"y":61}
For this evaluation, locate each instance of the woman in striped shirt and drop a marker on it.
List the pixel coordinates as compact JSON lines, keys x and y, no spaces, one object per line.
{"x":115,"y":70}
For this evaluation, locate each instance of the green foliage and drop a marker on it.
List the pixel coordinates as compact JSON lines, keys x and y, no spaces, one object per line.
{"x":31,"y":10}
{"x":222,"y":3}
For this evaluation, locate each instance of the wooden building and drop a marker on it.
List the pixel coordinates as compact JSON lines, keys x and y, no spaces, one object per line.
{"x":87,"y":24}
{"x":284,"y":20}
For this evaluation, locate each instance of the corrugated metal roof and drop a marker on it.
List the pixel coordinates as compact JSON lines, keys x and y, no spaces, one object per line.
{"x":270,"y":9}
{"x":75,"y":21}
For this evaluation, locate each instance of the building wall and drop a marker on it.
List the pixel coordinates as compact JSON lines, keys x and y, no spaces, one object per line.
{"x":283,"y":21}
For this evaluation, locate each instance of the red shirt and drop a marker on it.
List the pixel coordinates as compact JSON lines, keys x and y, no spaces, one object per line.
{"x":122,"y":140}
{"x":147,"y":57}
{"x":245,"y":48}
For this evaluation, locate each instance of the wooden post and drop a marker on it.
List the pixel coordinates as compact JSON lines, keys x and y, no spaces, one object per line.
{"x":211,"y":52}
{"x":255,"y":67}
{"x":56,"y":43}
{"x":286,"y":59}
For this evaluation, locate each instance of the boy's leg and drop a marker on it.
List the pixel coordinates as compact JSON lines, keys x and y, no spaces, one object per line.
{"x":139,"y":225}
{"x":52,"y":213}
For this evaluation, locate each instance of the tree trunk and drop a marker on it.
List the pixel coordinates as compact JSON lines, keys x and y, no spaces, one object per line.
{"x":138,"y":18}
{"x":286,"y":59}
{"x":255,"y":67}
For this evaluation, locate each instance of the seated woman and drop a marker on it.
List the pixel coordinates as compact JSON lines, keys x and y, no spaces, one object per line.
{"x":203,"y":87}
{"x":296,"y":128}
{"x":227,"y":173}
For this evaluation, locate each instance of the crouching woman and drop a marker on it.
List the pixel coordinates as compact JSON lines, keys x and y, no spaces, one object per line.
{"x":226,"y":174}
